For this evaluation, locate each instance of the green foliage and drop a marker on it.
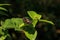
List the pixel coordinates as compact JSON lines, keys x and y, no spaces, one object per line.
{"x":34,"y":15}
{"x":5,"y":4}
{"x":35,"y":18}
{"x":31,"y":36}
{"x":1,"y":8}
{"x":8,"y":24}
{"x":3,"y":37}
{"x":1,"y":32}
{"x":12,"y":23}
{"x":4,"y":9}
{"x":34,"y":22}
{"x":46,"y":21}
{"x":18,"y":24}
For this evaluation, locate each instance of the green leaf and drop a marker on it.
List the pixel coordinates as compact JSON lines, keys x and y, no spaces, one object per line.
{"x":34,"y":22}
{"x":1,"y":32}
{"x":33,"y":15}
{"x":15,"y":23}
{"x":1,"y":22}
{"x":30,"y":32}
{"x":1,"y":8}
{"x":21,"y":25}
{"x":8,"y":24}
{"x":31,"y":36}
{"x":3,"y":37}
{"x":5,"y":4}
{"x":18,"y":23}
{"x":41,"y":20}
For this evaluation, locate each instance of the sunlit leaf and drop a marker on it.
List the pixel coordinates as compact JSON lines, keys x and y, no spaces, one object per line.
{"x":15,"y":23}
{"x":41,"y":20}
{"x":21,"y":25}
{"x":33,"y":15}
{"x":18,"y":23}
{"x":31,"y":36}
{"x":34,"y":22}
{"x":8,"y":24}
{"x":3,"y":37}
{"x":30,"y":32}
{"x":1,"y":8}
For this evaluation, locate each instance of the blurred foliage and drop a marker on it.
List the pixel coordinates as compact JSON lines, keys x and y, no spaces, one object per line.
{"x":49,"y":9}
{"x":15,"y":23}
